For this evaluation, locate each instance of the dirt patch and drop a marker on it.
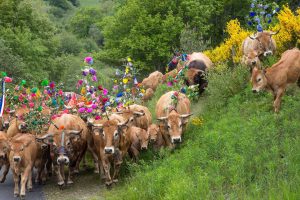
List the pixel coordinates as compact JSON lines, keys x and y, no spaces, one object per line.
{"x":86,"y":185}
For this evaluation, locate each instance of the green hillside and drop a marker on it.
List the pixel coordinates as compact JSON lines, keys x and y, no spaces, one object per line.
{"x":242,"y":151}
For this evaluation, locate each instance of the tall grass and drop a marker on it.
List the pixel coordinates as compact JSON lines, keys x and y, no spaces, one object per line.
{"x":242,"y":151}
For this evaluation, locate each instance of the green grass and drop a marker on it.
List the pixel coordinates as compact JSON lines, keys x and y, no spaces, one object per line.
{"x":243,"y":150}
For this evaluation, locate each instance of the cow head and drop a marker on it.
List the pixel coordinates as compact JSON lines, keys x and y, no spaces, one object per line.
{"x":143,"y":137}
{"x":131,"y":115}
{"x":61,"y":144}
{"x":4,"y":148}
{"x":6,"y":118}
{"x":258,"y":80}
{"x":110,"y":132}
{"x":252,"y":59}
{"x":17,"y":148}
{"x":173,"y":124}
{"x":266,"y":45}
{"x":153,"y":132}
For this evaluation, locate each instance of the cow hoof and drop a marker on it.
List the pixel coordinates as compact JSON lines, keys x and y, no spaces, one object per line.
{"x":96,"y":171}
{"x":115,"y":181}
{"x":76,"y":171}
{"x":61,"y":183}
{"x":2,"y":179}
{"x":108,"y":183}
{"x":70,"y":182}
{"x":22,"y":197}
{"x":50,"y":174}
{"x":16,"y":194}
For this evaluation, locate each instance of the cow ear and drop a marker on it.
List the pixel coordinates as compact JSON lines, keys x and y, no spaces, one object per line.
{"x":184,"y":118}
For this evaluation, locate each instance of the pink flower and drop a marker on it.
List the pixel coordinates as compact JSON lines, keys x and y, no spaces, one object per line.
{"x":33,"y":95}
{"x":81,"y":110}
{"x":89,"y":60}
{"x":97,"y":117}
{"x":169,"y":84}
{"x":31,"y":104}
{"x":94,"y":78}
{"x":94,"y":106}
{"x":52,"y":85}
{"x":80,"y":104}
{"x":105,"y":92}
{"x":60,"y":92}
{"x":7,"y":79}
{"x":89,"y":110}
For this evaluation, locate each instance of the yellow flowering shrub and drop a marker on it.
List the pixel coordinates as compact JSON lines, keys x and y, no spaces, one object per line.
{"x":289,"y":25}
{"x":235,"y":39}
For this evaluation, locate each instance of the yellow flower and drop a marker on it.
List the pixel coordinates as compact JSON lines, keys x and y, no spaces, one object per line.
{"x":143,"y":91}
{"x":125,"y":80}
{"x":83,"y":91}
{"x":129,"y":59}
{"x":197,"y":121}
{"x":126,"y":70}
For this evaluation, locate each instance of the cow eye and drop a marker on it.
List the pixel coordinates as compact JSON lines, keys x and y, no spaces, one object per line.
{"x":116,"y":134}
{"x":259,"y":79}
{"x":102,"y":133}
{"x":68,"y":143}
{"x":180,"y":125}
{"x":169,"y":126}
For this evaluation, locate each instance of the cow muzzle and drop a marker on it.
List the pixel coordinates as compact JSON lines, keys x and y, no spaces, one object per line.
{"x":6,"y":125}
{"x":254,"y":91}
{"x":176,"y":140}
{"x":268,"y":53}
{"x":143,"y":148}
{"x":17,"y":159}
{"x":63,"y":160}
{"x":109,"y":150}
{"x":2,"y":156}
{"x":23,"y":127}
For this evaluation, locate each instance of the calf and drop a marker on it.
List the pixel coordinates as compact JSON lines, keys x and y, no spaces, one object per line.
{"x":139,"y":141}
{"x":6,"y":119}
{"x":276,"y":78}
{"x":4,"y":154}
{"x":114,"y":143}
{"x":156,"y":138}
{"x":173,"y":117}
{"x":153,"y":80}
{"x":22,"y":157}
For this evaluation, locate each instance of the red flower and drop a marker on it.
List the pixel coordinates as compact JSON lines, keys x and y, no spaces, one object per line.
{"x":100,"y":87}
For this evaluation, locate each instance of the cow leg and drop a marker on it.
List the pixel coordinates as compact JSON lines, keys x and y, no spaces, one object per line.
{"x":3,"y":177}
{"x":298,"y":82}
{"x":69,"y":182}
{"x":277,"y":101}
{"x":80,"y":157}
{"x":49,"y":165}
{"x":24,"y":179}
{"x":16,"y":181}
{"x":29,"y":181}
{"x":135,"y":153}
{"x":106,"y":167}
{"x":60,"y":180}
{"x":95,"y":157}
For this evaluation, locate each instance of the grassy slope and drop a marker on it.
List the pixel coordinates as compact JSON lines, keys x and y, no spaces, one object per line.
{"x":243,"y":150}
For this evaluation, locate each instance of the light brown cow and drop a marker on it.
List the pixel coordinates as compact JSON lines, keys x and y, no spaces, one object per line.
{"x":4,"y":154}
{"x":114,"y":144}
{"x":22,"y":157}
{"x":6,"y":119}
{"x":156,"y":139}
{"x":68,"y":142}
{"x":276,"y":78}
{"x":173,"y":118}
{"x":139,"y":141}
{"x":17,"y":124}
{"x":153,"y":80}
{"x":198,"y":57}
{"x":253,"y":47}
{"x":138,"y":116}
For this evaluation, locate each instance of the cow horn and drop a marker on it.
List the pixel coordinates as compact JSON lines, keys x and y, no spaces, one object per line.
{"x":275,"y":33}
{"x":98,"y":125}
{"x":186,"y":115}
{"x":45,"y":136}
{"x":124,"y":123}
{"x":162,"y":118}
{"x":67,"y":107}
{"x":139,"y":113}
{"x":254,"y":37}
{"x":75,"y":132}
{"x":118,"y":113}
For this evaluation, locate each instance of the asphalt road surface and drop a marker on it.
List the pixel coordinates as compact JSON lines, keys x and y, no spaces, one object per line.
{"x":7,"y":190}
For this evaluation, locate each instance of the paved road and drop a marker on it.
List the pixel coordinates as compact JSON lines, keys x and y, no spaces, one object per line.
{"x":7,"y":190}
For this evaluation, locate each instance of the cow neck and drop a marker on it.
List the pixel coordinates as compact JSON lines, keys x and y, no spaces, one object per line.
{"x":269,"y":86}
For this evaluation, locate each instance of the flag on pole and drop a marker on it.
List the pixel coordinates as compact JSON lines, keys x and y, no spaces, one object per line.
{"x":2,"y":97}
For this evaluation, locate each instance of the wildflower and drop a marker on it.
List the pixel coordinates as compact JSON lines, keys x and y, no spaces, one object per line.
{"x":81,"y":110}
{"x":85,"y":72}
{"x":259,"y":28}
{"x":97,"y":117}
{"x":52,"y":85}
{"x":252,"y":14}
{"x":269,"y":21}
{"x":89,"y":110}
{"x":92,"y":71}
{"x":169,"y":84}
{"x":250,"y":23}
{"x":252,"y":5}
{"x":94,"y":78}
{"x":197,"y":121}
{"x":266,"y":7}
{"x":105,"y":92}
{"x":89,"y":60}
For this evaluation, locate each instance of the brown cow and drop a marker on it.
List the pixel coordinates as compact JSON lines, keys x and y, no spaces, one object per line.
{"x":22,"y":157}
{"x":17,"y":125}
{"x":173,"y":118}
{"x":67,"y":137}
{"x":156,"y":138}
{"x":139,"y":141}
{"x":114,"y":144}
{"x":153,"y":80}
{"x":138,"y":116}
{"x":276,"y":78}
{"x":6,"y":119}
{"x":4,"y":154}
{"x":253,"y":47}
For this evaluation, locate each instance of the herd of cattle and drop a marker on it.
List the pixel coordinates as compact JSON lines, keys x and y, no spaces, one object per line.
{"x":63,"y":144}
